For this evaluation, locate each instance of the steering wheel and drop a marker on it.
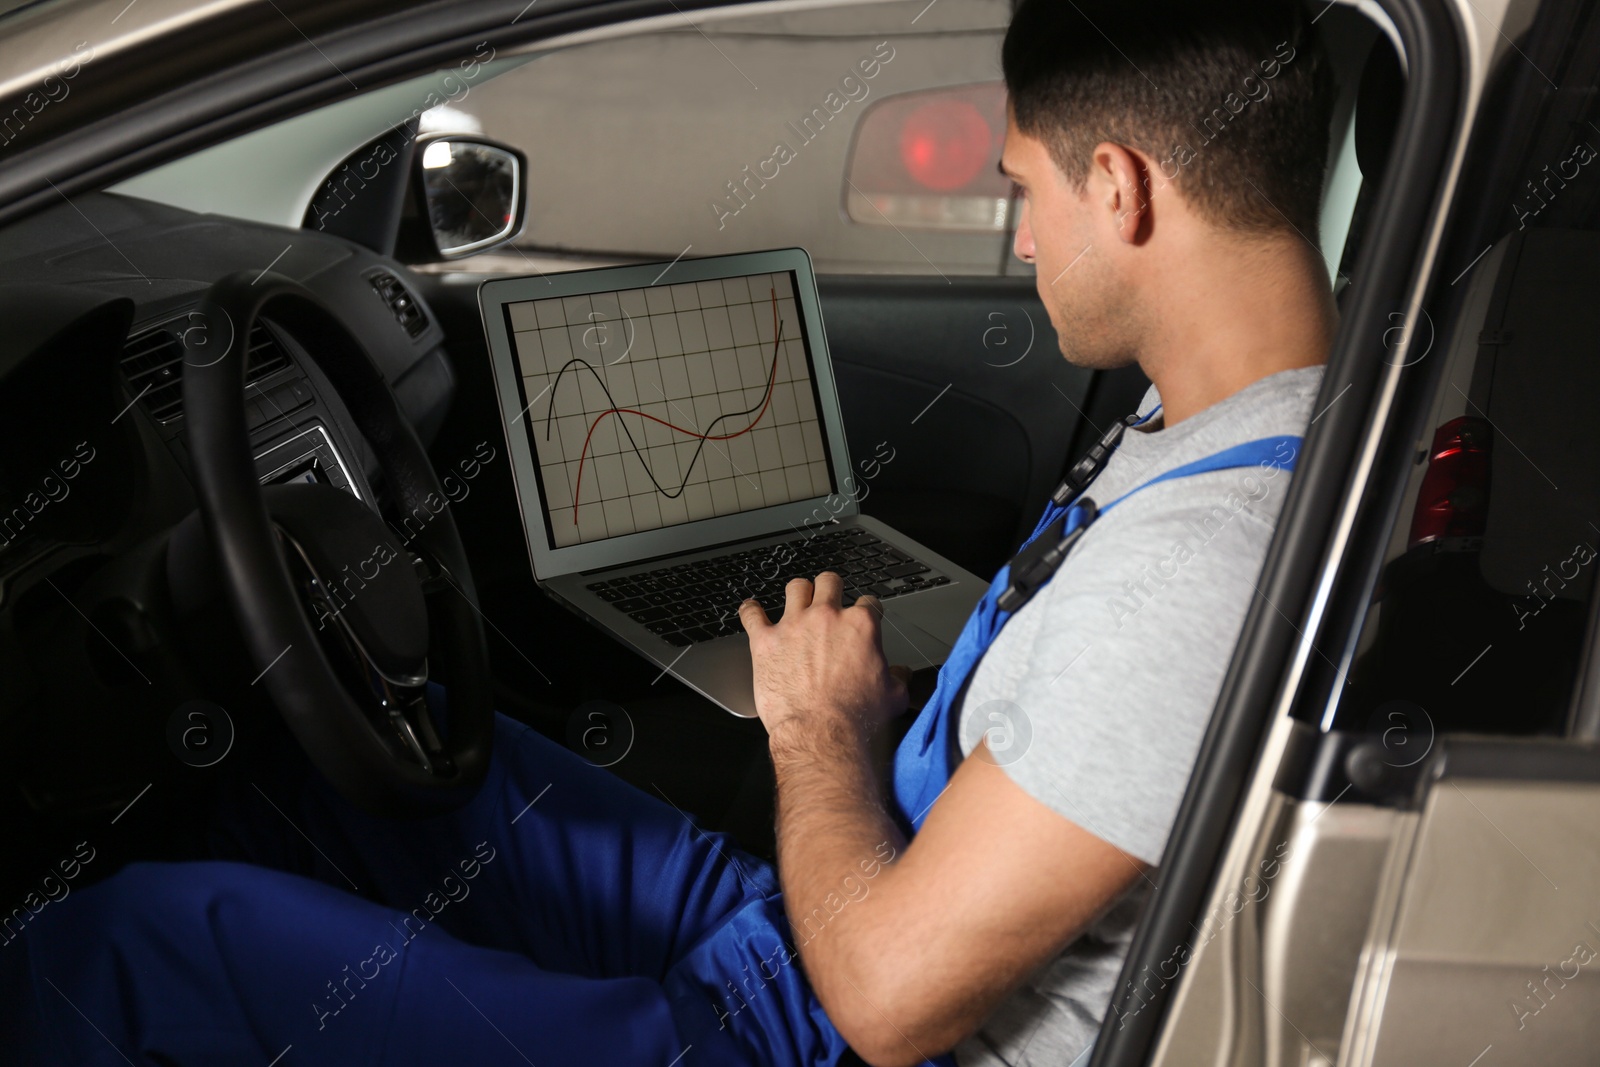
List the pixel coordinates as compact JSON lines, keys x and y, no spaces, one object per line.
{"x":338,"y":611}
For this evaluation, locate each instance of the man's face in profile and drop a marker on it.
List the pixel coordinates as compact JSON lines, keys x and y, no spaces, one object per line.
{"x":1072,"y":242}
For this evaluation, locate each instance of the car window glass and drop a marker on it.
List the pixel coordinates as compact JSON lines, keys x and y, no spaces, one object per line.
{"x":747,"y":133}
{"x":1480,"y":612}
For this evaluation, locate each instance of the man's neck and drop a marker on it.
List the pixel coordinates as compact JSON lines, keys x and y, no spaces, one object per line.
{"x":1255,"y":310}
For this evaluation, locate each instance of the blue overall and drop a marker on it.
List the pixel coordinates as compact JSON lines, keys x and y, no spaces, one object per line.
{"x":922,"y":763}
{"x":560,"y":917}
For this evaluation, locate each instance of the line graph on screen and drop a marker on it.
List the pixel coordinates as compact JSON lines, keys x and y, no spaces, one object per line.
{"x":673,"y":494}
{"x":669,"y":404}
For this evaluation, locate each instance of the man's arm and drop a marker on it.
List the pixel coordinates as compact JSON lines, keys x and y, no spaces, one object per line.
{"x":908,"y":947}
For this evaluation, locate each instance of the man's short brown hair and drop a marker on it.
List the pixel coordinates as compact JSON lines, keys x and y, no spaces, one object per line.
{"x":1232,"y":99}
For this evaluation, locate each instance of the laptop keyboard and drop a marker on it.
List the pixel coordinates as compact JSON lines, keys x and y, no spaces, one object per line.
{"x":699,"y":601}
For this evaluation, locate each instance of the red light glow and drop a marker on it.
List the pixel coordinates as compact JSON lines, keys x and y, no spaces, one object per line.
{"x":944,"y":144}
{"x":1454,"y":498}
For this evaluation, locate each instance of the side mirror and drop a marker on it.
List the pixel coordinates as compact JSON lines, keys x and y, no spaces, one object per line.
{"x":469,"y":191}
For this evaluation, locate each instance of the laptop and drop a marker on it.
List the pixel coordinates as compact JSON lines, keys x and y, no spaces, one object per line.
{"x":677,"y":447}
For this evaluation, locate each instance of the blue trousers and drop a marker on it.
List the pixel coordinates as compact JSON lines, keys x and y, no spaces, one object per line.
{"x":561,"y":917}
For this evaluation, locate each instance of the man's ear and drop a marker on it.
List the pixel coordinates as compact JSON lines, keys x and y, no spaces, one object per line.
{"x":1121,"y":178}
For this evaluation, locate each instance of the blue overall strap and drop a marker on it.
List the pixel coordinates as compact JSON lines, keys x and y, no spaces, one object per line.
{"x":922,"y":765}
{"x":1280,"y":452}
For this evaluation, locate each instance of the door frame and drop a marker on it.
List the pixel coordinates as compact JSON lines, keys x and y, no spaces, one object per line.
{"x":1331,"y":494}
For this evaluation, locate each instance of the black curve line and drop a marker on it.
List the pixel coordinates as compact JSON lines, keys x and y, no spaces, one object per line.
{"x":772,"y":379}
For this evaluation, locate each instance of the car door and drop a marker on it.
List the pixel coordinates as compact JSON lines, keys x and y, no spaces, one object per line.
{"x":1409,"y":872}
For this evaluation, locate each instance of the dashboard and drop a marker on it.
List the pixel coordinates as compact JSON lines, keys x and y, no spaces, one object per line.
{"x":88,"y":418}
{"x":98,"y":298}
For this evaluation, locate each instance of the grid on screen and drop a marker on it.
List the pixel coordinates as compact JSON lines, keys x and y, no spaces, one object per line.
{"x":663,"y":405}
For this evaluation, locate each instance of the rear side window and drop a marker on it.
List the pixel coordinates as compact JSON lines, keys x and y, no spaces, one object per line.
{"x":1482,"y":607}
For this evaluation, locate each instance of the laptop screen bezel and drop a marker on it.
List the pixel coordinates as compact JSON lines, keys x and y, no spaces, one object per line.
{"x":550,"y":561}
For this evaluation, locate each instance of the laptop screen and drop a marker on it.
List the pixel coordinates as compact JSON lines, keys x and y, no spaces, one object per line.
{"x":655,"y":406}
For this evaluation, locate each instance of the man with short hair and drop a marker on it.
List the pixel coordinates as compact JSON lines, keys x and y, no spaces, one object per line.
{"x":1169,"y":159}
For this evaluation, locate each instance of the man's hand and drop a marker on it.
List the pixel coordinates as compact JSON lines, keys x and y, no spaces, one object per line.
{"x":916,"y":966}
{"x":822,"y":664}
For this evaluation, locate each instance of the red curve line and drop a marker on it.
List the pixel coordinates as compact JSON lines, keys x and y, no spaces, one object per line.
{"x":771,"y":382}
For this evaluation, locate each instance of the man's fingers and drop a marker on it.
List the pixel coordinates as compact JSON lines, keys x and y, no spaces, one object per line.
{"x":829,"y":589}
{"x":796,"y":595}
{"x":874,"y":611}
{"x":753,"y":616}
{"x":869,"y":603}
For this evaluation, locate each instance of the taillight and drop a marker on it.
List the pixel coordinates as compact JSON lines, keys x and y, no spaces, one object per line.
{"x":945,"y":143}
{"x":926,"y":159}
{"x":1454,"y":501}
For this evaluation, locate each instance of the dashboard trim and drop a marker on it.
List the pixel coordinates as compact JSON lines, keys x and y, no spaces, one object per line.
{"x":302,"y":456}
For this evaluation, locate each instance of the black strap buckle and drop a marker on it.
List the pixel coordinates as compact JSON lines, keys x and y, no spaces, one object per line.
{"x":1089,"y":467}
{"x":1039,"y":560}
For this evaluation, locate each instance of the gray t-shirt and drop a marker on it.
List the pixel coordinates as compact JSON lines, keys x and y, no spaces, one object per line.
{"x":1096,"y":694}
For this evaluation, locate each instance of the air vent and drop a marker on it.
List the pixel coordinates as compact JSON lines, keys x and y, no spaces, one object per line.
{"x":152,"y":363}
{"x":266,"y":355}
{"x":406,"y":310}
{"x":153,"y":366}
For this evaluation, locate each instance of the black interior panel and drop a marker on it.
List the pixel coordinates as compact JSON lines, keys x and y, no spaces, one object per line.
{"x":964,"y":380}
